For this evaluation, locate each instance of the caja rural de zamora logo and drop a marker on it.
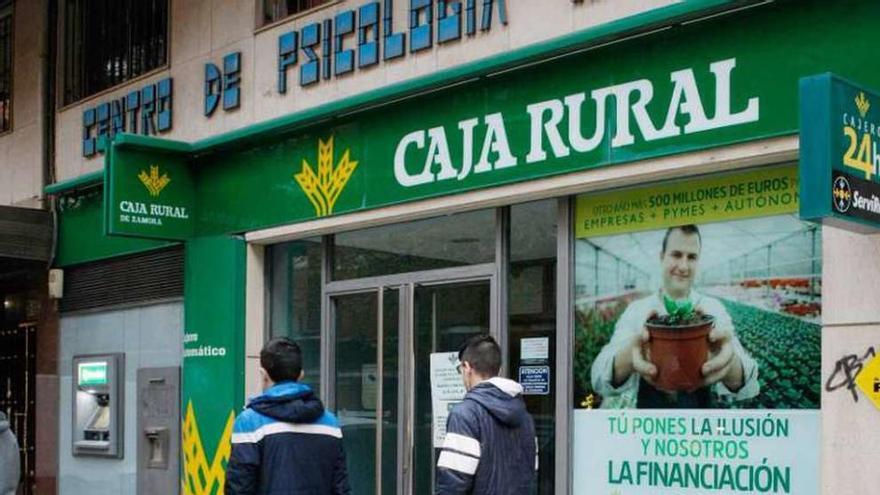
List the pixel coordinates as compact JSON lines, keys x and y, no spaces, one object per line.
{"x":324,"y":187}
{"x":153,"y":181}
{"x":862,"y":104}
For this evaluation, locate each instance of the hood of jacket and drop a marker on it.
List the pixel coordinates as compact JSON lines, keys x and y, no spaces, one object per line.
{"x":290,"y":402}
{"x":502,"y":398}
{"x":4,"y":423}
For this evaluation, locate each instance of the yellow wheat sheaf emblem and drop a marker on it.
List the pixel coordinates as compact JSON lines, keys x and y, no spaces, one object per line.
{"x":200,"y":477}
{"x":862,"y":104}
{"x":152,"y":181}
{"x":323,"y":188}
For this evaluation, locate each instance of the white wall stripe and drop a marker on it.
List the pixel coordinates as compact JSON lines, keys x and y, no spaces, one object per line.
{"x":462,"y":443}
{"x":458,"y":462}
{"x":275,"y":428}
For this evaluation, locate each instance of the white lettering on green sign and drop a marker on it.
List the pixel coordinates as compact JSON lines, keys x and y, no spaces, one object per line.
{"x":631,"y":102}
{"x":92,"y":374}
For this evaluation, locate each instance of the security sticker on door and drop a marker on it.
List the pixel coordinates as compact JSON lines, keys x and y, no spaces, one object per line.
{"x":535,"y":380}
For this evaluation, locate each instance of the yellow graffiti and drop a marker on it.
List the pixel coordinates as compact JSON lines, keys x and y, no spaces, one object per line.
{"x":588,"y":402}
{"x":199,"y":477}
{"x":152,"y":181}
{"x":324,"y":188}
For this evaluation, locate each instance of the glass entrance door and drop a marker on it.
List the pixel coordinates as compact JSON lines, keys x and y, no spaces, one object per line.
{"x":444,"y":316}
{"x":366,"y":326}
{"x":383,"y":336}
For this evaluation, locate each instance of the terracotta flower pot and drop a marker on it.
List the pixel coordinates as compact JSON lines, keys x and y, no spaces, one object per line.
{"x":679,"y":353}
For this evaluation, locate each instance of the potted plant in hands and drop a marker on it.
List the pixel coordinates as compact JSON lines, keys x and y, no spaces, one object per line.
{"x":679,"y":345}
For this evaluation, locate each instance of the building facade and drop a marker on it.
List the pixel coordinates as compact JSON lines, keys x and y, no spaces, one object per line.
{"x":379,"y":180}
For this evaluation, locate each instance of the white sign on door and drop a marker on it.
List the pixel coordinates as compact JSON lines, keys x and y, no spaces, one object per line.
{"x":447,"y":390}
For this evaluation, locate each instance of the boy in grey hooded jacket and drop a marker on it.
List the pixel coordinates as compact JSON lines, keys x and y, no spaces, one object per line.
{"x":10,"y":468}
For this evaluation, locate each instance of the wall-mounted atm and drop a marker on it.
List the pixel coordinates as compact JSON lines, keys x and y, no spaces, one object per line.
{"x":98,"y":388}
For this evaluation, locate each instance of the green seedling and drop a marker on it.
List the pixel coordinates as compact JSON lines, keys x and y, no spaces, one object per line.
{"x":679,"y":311}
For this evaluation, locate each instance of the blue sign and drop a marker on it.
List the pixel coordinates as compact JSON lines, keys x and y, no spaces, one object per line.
{"x":147,"y":110}
{"x":535,"y":380}
{"x":326,"y":49}
{"x":226,"y":83}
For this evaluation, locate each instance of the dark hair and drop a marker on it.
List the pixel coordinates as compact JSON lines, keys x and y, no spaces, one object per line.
{"x":282,"y":360}
{"x":689,"y":229}
{"x":483,"y":354}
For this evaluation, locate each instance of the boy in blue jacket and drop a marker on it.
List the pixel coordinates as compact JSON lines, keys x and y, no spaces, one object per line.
{"x":284,"y":442}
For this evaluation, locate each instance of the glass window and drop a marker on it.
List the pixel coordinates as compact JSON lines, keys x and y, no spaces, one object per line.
{"x":442,"y":242}
{"x":295,"y":301}
{"x":108,"y":42}
{"x":532,"y":310}
{"x":5,"y":66}
{"x":275,"y":10}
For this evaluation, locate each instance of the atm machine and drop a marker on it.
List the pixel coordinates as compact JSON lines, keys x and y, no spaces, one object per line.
{"x":98,"y":388}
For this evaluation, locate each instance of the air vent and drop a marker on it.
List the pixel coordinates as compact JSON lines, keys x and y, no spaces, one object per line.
{"x":132,"y":279}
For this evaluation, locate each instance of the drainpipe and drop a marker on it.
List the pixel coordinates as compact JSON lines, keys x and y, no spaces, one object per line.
{"x":49,"y":65}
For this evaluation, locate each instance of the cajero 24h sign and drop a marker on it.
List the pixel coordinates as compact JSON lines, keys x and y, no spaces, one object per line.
{"x":840,"y":158}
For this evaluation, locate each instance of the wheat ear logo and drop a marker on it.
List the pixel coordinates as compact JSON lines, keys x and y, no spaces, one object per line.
{"x":152,"y":181}
{"x":324,"y":188}
{"x":203,"y":474}
{"x":862,"y":104}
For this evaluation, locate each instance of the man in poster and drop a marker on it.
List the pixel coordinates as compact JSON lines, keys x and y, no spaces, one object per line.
{"x":624,"y":375}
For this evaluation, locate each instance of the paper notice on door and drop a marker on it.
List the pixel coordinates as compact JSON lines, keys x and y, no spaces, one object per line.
{"x":534,"y":349}
{"x":447,"y":390}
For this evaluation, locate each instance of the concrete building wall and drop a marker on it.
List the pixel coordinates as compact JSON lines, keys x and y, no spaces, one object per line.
{"x":850,"y":339}
{"x":21,"y":158}
{"x":150,"y":336}
{"x":203,"y":31}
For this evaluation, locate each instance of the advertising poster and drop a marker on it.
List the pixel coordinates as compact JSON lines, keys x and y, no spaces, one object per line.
{"x":447,"y":390}
{"x":698,"y":338}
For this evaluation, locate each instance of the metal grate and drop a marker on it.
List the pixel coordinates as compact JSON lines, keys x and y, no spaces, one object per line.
{"x":108,"y":42}
{"x":5,"y":66}
{"x":137,"y":278}
{"x":275,"y":10}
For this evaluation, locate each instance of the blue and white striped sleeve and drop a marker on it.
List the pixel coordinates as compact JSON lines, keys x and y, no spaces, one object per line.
{"x":459,"y":455}
{"x":243,"y":469}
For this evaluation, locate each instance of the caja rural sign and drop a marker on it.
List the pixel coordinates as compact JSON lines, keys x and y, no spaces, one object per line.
{"x":840,"y":159}
{"x":149,"y":195}
{"x":573,"y":113}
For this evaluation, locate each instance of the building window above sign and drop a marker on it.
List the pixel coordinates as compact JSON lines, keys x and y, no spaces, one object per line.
{"x":106,"y":43}
{"x":275,"y":10}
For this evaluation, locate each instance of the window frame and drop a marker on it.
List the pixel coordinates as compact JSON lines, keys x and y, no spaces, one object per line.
{"x":61,"y":62}
{"x":259,"y":11}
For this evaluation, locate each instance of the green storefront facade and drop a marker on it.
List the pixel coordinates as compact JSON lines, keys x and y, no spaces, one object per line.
{"x":543,"y":123}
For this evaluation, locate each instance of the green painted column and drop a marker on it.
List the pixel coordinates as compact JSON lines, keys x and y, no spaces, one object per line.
{"x":214,"y":354}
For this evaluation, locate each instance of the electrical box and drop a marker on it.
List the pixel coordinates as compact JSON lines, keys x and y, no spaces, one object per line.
{"x":98,"y":398}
